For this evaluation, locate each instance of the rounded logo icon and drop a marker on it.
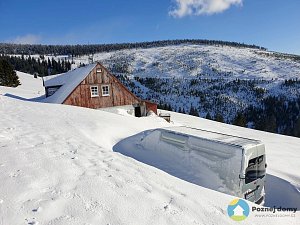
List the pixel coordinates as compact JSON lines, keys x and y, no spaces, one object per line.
{"x":238,"y":209}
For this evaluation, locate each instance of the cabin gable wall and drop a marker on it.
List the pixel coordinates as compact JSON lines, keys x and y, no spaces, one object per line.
{"x":118,"y":93}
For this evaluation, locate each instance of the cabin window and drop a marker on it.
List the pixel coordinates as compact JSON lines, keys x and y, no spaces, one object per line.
{"x":105,"y":90}
{"x":51,"y":90}
{"x":94,"y":91}
{"x":99,"y":70}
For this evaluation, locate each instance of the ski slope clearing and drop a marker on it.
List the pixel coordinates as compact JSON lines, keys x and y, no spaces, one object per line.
{"x":57,"y":166}
{"x":188,"y":61}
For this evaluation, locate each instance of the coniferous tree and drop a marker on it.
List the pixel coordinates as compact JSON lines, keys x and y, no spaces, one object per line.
{"x":208,"y":116}
{"x":179,"y":110}
{"x":194,"y":111}
{"x":32,"y":65}
{"x":8,"y":76}
{"x":240,"y":120}
{"x":219,"y":118}
{"x":271,"y":124}
{"x":296,"y":131}
{"x":76,"y":50}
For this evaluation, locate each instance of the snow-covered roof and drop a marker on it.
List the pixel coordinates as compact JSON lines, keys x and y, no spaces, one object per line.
{"x":55,"y":80}
{"x":69,"y":82}
{"x":215,"y":136}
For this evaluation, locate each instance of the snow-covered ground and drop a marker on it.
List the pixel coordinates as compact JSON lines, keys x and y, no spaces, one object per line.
{"x":30,"y":89}
{"x":57,"y":166}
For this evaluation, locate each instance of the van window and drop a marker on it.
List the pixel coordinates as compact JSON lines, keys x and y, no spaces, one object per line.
{"x":256,"y":169}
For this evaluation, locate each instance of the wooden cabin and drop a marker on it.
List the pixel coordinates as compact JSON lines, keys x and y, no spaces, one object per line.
{"x":93,"y":86}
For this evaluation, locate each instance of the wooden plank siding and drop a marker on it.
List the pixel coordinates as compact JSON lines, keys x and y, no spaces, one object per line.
{"x":118,"y":93}
{"x":151,"y":106}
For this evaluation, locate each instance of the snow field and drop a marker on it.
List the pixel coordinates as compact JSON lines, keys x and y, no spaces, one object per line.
{"x":57,"y":166}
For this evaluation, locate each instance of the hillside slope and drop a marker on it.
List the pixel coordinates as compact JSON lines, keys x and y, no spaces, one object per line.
{"x":188,"y":61}
{"x":30,"y":89}
{"x":214,"y":80}
{"x":58,"y":166}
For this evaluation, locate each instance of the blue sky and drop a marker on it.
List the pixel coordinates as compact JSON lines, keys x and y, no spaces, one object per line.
{"x":270,"y":23}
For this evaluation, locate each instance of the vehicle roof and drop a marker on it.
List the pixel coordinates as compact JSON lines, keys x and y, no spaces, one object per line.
{"x":215,"y":136}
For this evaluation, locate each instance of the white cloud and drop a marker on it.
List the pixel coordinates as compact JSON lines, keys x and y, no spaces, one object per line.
{"x":26,"y":39}
{"x":202,"y":7}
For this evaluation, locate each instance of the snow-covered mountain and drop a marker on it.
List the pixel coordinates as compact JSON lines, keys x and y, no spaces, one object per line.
{"x":249,"y":87}
{"x":212,"y":79}
{"x":57,"y":166}
{"x":189,"y":61}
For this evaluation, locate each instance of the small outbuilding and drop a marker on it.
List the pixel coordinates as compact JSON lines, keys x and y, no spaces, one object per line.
{"x":93,"y":86}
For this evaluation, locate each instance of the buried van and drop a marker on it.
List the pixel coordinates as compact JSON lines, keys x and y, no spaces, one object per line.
{"x":225,"y":163}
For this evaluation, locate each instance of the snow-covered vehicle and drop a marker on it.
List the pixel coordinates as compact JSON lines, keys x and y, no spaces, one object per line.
{"x":225,"y":163}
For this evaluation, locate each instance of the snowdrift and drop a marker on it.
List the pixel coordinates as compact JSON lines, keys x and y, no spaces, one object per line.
{"x":57,"y":166}
{"x":214,"y":170}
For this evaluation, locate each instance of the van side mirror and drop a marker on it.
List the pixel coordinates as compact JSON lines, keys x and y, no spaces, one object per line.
{"x":266,"y":165}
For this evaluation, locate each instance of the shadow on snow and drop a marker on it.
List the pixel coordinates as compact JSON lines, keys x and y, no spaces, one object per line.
{"x":279,"y":192}
{"x":25,"y":99}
